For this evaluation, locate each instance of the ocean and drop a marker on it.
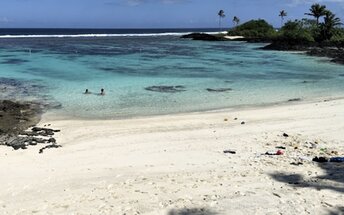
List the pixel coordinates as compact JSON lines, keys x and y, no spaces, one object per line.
{"x":153,"y":71}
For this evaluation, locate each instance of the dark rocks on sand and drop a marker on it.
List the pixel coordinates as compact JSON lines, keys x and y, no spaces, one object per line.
{"x":203,"y":36}
{"x":49,"y":147}
{"x":22,"y":142}
{"x":44,"y":131}
{"x":243,"y":123}
{"x":28,"y":138}
{"x":285,"y":135}
{"x":166,"y":89}
{"x":219,"y":90}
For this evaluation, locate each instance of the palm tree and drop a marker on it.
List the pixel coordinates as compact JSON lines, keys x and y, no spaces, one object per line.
{"x":330,"y":23}
{"x":236,"y":20}
{"x":221,"y":15}
{"x":330,"y":19}
{"x":282,"y":14}
{"x":317,"y":11}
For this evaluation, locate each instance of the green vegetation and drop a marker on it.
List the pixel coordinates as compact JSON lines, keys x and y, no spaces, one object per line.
{"x":295,"y":33}
{"x":324,"y":30}
{"x":258,"y":29}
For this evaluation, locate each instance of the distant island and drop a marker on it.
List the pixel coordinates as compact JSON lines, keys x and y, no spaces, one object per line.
{"x":322,"y":36}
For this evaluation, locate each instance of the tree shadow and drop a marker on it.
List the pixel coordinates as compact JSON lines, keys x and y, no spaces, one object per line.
{"x":192,"y":211}
{"x":333,"y":179}
{"x":337,"y":211}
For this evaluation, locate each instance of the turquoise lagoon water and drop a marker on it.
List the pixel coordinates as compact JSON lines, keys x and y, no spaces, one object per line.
{"x":58,"y":70}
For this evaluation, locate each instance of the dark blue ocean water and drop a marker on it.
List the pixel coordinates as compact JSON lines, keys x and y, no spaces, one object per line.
{"x":69,"y":31}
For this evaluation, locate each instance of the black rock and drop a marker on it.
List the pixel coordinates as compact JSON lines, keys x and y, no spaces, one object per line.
{"x":44,"y":131}
{"x":203,"y":36}
{"x":49,"y":147}
{"x":243,"y":123}
{"x":285,"y":135}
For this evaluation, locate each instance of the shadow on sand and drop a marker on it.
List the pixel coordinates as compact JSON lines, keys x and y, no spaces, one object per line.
{"x":192,"y":211}
{"x":332,"y":179}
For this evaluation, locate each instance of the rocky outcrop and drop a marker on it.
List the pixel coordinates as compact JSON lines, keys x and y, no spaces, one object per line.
{"x":16,"y":118}
{"x":334,"y":53}
{"x":204,"y":37}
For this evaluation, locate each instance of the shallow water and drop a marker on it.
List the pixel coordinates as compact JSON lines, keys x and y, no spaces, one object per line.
{"x":124,"y":66}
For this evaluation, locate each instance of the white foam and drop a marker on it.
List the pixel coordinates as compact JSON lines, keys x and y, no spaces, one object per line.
{"x":101,"y":35}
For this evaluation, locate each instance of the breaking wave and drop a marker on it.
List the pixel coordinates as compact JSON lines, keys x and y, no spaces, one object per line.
{"x":101,"y":35}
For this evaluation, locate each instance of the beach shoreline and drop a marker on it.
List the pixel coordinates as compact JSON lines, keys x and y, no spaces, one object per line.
{"x":51,"y":115}
{"x":176,"y":163}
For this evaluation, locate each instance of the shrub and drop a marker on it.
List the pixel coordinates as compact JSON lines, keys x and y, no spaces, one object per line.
{"x":254,"y":29}
{"x":295,"y":33}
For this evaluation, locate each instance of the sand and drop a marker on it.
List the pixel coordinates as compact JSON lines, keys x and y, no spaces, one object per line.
{"x":234,"y":37}
{"x":175,"y":164}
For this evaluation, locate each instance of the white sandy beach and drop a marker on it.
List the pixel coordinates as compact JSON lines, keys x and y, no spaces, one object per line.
{"x":168,"y":164}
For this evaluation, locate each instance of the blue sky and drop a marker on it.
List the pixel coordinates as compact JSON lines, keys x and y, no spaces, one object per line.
{"x":148,"y":13}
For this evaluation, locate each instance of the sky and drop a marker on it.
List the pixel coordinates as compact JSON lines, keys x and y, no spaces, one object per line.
{"x":149,"y":13}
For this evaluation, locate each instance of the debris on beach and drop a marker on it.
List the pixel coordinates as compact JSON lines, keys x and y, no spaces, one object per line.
{"x":166,"y":89}
{"x":325,"y":159}
{"x":243,"y":123}
{"x":285,"y":135}
{"x":296,"y":163}
{"x":229,"y":152}
{"x":278,"y":152}
{"x":337,"y":159}
{"x":320,"y":159}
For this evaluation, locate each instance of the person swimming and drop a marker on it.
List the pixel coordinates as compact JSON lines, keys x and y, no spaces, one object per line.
{"x":87,"y":92}
{"x":102,"y":92}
